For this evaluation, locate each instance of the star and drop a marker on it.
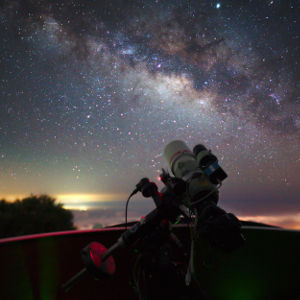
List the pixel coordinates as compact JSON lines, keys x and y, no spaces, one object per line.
{"x":107,"y":86}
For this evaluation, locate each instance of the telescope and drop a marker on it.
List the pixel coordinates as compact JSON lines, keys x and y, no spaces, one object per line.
{"x":199,"y":169}
{"x":191,"y":191}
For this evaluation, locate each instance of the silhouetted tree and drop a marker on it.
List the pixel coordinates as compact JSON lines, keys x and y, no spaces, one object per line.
{"x":34,"y":214}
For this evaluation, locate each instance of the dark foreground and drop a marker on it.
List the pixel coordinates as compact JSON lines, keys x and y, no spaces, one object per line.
{"x":34,"y":267}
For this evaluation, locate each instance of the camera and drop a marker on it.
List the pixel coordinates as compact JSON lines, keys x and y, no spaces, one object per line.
{"x":199,"y":169}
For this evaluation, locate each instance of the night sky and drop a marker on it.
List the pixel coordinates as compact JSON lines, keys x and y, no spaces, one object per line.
{"x":92,"y":91}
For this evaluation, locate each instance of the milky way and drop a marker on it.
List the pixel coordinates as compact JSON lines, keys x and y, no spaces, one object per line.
{"x":91,"y":92}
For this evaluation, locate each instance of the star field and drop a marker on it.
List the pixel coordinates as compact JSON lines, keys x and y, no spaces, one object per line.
{"x":92,"y":91}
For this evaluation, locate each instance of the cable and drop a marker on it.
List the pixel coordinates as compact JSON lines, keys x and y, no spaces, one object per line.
{"x":126,"y":208}
{"x":207,"y":195}
{"x":139,"y":188}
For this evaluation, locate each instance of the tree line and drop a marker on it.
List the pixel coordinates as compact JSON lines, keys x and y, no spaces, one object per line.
{"x":33,"y":214}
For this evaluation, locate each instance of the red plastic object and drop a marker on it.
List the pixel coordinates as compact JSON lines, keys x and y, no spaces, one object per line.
{"x":96,"y":252}
{"x":92,"y":257}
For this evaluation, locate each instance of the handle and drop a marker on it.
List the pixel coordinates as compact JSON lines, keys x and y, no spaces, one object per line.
{"x":67,"y":286}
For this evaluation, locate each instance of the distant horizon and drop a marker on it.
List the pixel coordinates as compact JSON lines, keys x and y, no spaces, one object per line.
{"x":108,"y":209}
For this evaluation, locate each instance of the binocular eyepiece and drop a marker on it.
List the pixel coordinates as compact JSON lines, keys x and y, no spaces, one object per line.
{"x":208,"y":162}
{"x":183,"y":161}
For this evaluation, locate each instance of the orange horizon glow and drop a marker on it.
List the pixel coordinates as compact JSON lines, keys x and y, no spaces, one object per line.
{"x":72,"y":197}
{"x":80,"y":202}
{"x":82,"y":197}
{"x":13,"y":197}
{"x":290,"y":221}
